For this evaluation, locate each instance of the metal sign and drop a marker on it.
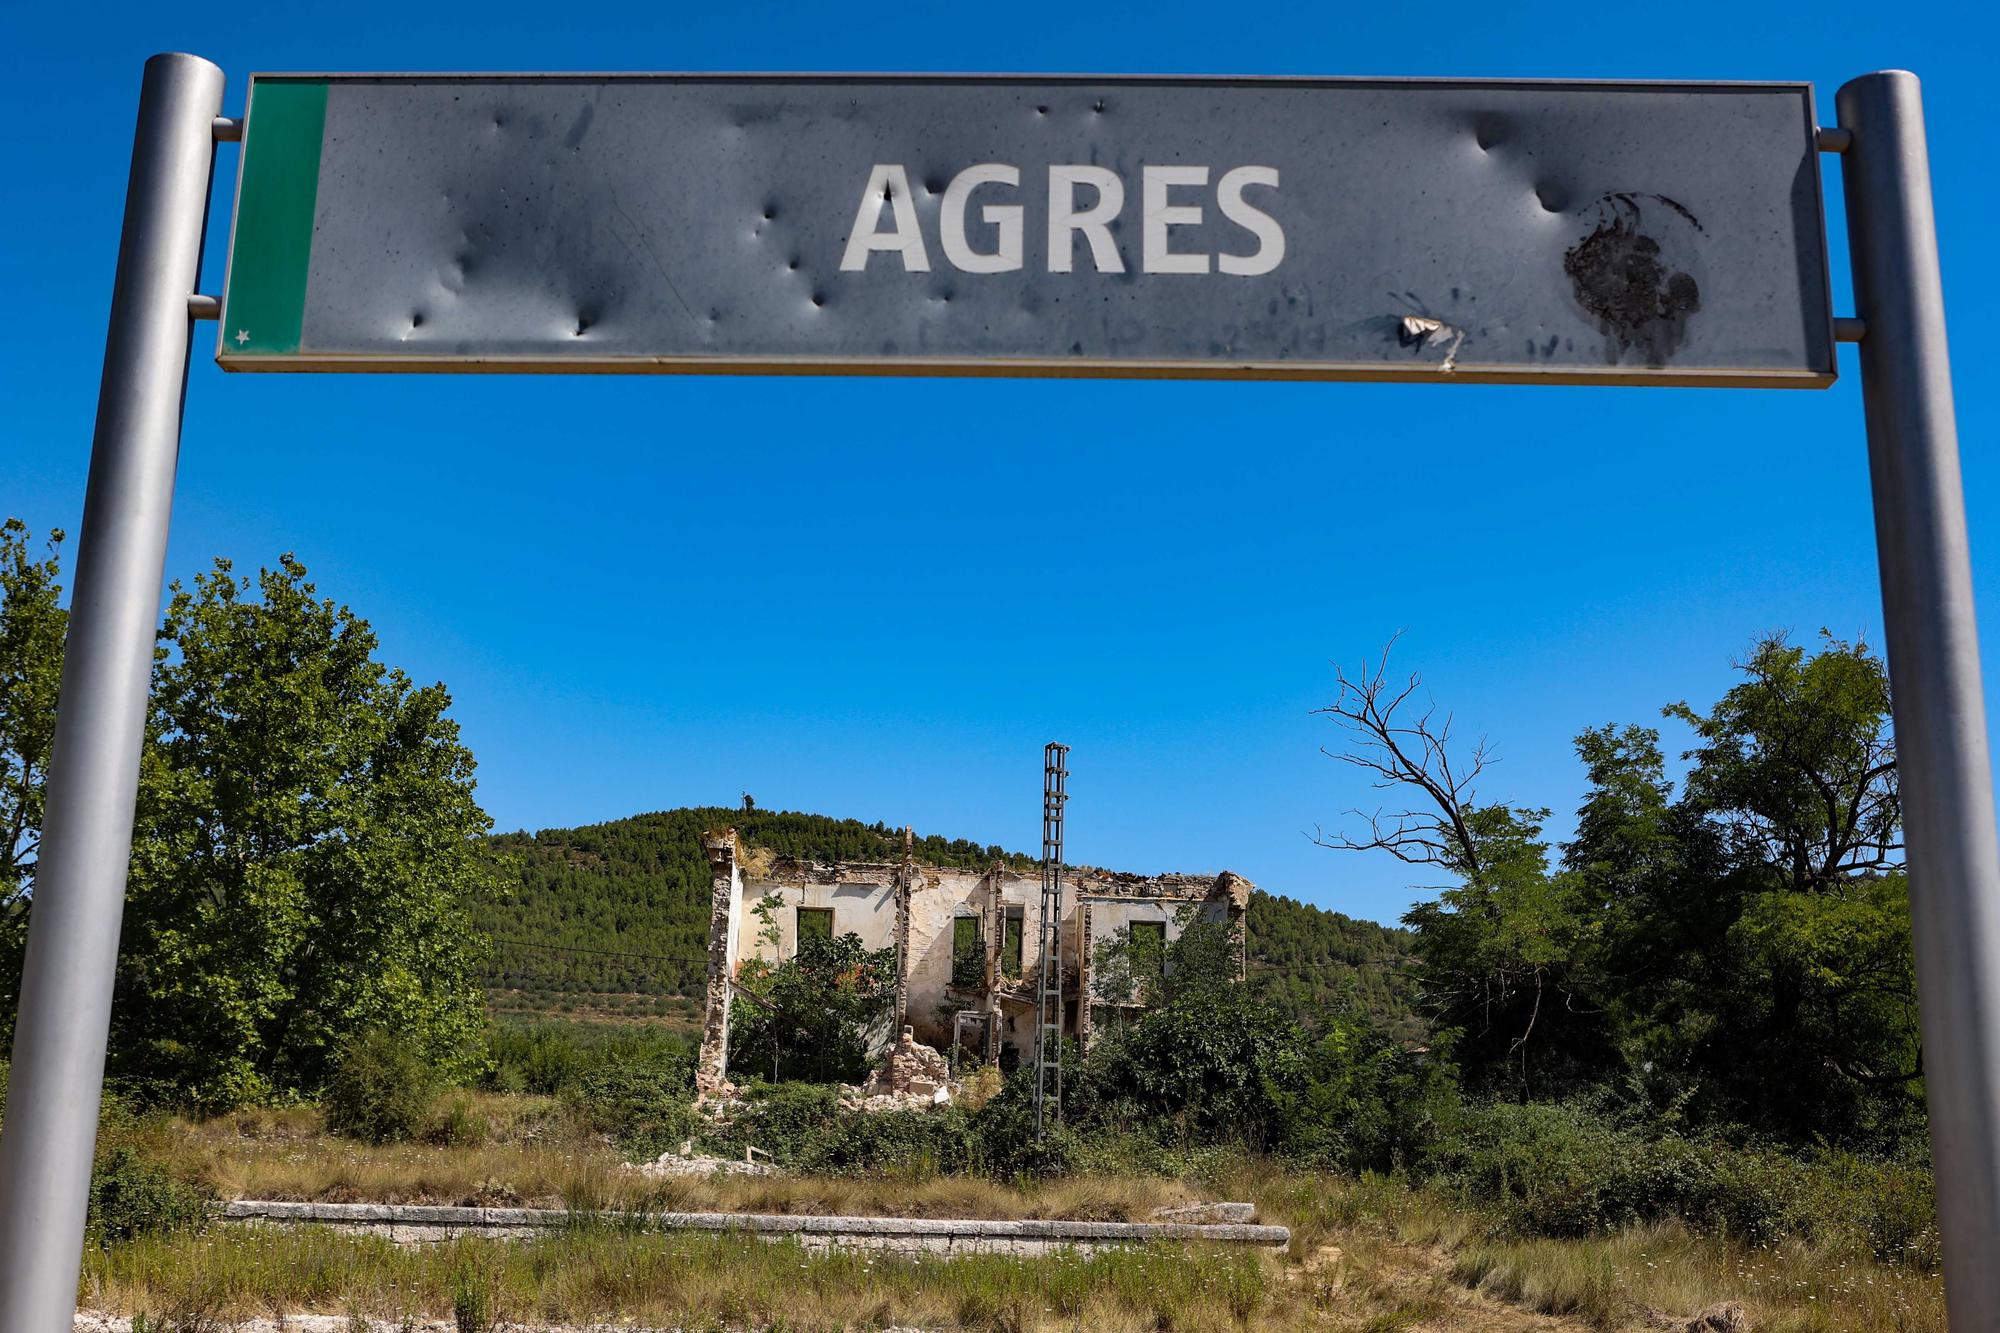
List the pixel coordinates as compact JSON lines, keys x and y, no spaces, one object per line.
{"x":1280,"y":228}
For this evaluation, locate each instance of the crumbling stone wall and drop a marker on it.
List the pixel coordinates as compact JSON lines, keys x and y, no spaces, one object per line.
{"x":725,"y":877}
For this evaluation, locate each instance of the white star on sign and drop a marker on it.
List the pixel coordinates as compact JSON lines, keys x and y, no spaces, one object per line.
{"x":242,"y":336}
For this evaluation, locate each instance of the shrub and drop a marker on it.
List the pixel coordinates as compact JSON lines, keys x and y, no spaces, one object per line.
{"x":641,"y":1105}
{"x":132,"y":1192}
{"x":458,"y":1125}
{"x":550,"y":1058}
{"x":923,"y":1143}
{"x":804,"y":1126}
{"x":1352,"y":1101}
{"x":1004,"y":1129}
{"x":822,"y":1002}
{"x":380,"y":1092}
{"x":133,"y":1196}
{"x":1563,"y":1169}
{"x":783,"y":1119}
{"x":1567,"y":1169}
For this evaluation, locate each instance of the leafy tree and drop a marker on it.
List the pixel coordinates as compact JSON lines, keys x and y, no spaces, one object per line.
{"x":1702,"y":949}
{"x":379,"y":1090}
{"x":1192,"y":1066}
{"x":809,"y":1017}
{"x":1797,"y":765}
{"x":1508,"y":962}
{"x":1812,"y":984}
{"x":1351,"y":1098}
{"x":306,"y":855}
{"x":32,"y":623}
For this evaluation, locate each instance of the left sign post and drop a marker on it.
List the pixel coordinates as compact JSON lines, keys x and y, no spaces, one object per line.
{"x":57,"y":1075}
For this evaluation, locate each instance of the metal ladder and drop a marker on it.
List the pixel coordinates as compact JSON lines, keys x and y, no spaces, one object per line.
{"x":1049,"y":985}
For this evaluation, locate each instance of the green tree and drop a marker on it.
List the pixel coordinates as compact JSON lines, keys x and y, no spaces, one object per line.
{"x":32,"y":623}
{"x":307,"y":852}
{"x":1193,"y":1067}
{"x":1797,"y":765}
{"x":810,"y":1016}
{"x":1812,"y":983}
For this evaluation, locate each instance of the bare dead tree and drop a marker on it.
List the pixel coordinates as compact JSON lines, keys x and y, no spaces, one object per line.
{"x":1406,"y":750}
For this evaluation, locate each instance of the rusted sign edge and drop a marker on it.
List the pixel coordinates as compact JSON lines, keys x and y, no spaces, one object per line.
{"x":1039,"y":368}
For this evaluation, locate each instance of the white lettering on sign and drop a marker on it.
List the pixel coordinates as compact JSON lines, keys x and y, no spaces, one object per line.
{"x":1270,"y":251}
{"x":1161,"y":215}
{"x":1006,"y":218}
{"x":1166,"y":221}
{"x":886,"y":184}
{"x":1094,"y":222}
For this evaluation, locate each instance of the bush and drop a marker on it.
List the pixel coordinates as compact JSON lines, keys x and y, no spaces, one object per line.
{"x":380,"y":1091}
{"x":550,"y":1058}
{"x":1352,"y":1101}
{"x":821,"y":1002}
{"x":458,"y":1125}
{"x":804,"y":1127}
{"x":1004,"y":1129}
{"x":1567,"y":1169}
{"x":642,"y":1106}
{"x":132,"y":1196}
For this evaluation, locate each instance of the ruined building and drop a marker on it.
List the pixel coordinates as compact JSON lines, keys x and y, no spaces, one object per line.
{"x":967,"y":942}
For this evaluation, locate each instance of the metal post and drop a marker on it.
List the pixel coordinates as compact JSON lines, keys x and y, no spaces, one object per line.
{"x":1933,"y":646}
{"x":65,"y":1010}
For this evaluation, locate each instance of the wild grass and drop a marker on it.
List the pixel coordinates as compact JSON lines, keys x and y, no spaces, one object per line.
{"x":1367,"y":1252}
{"x":1785,"y":1287}
{"x":613,"y":1276}
{"x":533,"y":1155}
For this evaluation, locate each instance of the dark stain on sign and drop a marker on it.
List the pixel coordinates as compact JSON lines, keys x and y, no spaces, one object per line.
{"x":1631,"y":274}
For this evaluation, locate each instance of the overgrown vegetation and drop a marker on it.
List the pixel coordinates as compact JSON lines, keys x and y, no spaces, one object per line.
{"x":380,"y":1091}
{"x":306,"y":852}
{"x":810,"y":1017}
{"x":612,"y":919}
{"x":1692,"y":1027}
{"x":1367,"y":1253}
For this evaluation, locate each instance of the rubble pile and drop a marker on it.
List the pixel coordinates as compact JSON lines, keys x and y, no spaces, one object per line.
{"x":912,"y":1076}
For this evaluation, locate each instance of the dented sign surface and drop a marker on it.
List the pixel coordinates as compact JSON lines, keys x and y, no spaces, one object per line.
{"x":1283,"y":228}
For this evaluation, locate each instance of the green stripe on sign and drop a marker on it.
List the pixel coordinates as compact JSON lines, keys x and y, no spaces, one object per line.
{"x":272,"y":247}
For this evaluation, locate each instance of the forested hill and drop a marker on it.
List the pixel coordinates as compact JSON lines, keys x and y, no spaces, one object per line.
{"x":614,"y":917}
{"x":1309,"y":962}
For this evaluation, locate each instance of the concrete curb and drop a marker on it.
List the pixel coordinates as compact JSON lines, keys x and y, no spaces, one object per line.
{"x":420,"y":1222}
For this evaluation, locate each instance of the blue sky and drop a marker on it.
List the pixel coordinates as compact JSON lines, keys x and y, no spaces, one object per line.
{"x":646,"y":592}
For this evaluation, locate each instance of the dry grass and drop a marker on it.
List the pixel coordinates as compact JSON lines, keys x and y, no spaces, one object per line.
{"x":1367,"y":1254}
{"x":695,"y":1282}
{"x":535,"y":1157}
{"x":1784,"y":1288}
{"x":1398,"y":1243}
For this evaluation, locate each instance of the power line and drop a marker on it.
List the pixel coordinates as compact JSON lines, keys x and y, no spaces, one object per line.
{"x":601,"y":953}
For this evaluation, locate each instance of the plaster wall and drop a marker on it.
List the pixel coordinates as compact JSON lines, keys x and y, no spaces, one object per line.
{"x":863,"y":904}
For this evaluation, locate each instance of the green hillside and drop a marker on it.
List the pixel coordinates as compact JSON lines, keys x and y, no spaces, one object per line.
{"x":611,"y":920}
{"x":1310,"y":962}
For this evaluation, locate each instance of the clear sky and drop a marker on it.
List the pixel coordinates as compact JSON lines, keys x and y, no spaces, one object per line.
{"x":653,"y":591}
